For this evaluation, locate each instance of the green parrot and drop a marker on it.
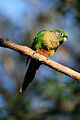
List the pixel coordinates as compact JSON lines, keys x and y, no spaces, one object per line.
{"x":46,"y":42}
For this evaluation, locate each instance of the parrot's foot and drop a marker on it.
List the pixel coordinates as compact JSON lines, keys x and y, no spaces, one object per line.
{"x":34,"y":53}
{"x":47,"y":58}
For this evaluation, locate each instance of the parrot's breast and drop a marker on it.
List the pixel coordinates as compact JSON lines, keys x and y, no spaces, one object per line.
{"x":50,"y":40}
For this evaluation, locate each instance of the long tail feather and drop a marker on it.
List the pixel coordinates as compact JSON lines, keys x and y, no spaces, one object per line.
{"x":30,"y":74}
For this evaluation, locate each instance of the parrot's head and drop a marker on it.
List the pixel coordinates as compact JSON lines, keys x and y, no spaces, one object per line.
{"x":62,"y":35}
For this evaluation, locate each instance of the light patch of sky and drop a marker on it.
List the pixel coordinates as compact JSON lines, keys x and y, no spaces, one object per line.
{"x":12,"y":9}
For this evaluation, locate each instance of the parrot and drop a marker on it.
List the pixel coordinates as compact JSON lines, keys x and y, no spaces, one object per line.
{"x":46,"y":43}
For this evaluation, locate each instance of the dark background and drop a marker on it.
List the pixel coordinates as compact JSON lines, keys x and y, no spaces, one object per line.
{"x":52,"y":95}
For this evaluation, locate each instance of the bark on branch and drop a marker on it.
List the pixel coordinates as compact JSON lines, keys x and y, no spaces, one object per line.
{"x":24,"y":50}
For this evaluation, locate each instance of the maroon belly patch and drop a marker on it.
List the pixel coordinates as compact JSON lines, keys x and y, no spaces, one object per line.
{"x":44,"y":52}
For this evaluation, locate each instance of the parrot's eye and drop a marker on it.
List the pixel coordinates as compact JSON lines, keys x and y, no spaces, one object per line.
{"x":62,"y":34}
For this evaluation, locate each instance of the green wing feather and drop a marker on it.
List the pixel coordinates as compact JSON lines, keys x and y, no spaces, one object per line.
{"x":38,"y":40}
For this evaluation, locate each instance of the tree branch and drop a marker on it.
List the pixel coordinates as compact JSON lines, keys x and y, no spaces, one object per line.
{"x":24,"y":50}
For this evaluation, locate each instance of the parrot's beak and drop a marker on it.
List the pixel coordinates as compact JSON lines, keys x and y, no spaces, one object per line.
{"x":65,"y":39}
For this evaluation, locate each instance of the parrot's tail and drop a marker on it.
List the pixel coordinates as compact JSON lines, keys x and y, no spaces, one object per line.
{"x":30,"y":74}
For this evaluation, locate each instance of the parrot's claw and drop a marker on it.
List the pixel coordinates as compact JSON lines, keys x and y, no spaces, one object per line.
{"x":47,"y":58}
{"x":34,"y":53}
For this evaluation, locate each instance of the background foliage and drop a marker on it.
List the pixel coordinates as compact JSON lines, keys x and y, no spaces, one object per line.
{"x":52,"y":95}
